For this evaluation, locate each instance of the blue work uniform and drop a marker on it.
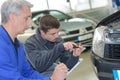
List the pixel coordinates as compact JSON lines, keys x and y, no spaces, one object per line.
{"x":13,"y":63}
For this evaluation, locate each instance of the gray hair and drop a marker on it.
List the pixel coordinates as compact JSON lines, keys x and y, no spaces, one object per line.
{"x":12,"y":6}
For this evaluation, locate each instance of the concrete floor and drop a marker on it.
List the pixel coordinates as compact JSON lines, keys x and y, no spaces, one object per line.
{"x":83,"y":71}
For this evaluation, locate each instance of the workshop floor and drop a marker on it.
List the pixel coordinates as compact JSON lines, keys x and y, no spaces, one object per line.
{"x":83,"y":71}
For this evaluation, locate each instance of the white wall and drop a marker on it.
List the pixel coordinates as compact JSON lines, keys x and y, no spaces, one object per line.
{"x":63,"y":5}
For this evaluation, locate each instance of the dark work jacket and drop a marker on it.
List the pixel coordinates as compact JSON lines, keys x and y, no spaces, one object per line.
{"x":43,"y":54}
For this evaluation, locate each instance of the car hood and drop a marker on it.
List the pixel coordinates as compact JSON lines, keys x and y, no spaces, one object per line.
{"x":78,"y":19}
{"x":74,"y":25}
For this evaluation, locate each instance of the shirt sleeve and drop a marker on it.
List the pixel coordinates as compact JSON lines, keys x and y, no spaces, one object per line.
{"x":40,"y":57}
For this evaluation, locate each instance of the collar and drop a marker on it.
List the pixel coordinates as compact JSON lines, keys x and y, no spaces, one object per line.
{"x":7,"y":36}
{"x":38,"y":36}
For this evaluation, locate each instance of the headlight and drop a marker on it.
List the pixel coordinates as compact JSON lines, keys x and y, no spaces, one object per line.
{"x":62,"y":33}
{"x":98,"y":41}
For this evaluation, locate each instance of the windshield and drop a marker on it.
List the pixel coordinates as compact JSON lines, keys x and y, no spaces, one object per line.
{"x":59,"y":15}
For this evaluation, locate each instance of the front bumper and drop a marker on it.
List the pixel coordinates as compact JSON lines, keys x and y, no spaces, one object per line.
{"x":103,"y":67}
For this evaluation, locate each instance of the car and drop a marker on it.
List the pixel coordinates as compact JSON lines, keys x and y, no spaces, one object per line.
{"x":79,"y":30}
{"x":105,"y":52}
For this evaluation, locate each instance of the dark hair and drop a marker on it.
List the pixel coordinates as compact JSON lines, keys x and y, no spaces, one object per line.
{"x":48,"y":22}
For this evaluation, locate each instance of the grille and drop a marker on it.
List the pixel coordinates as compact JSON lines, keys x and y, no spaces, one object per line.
{"x":74,"y":32}
{"x":89,"y":28}
{"x":112,"y":51}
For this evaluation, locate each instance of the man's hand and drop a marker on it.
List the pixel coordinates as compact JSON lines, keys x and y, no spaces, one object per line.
{"x":69,"y":45}
{"x":60,"y":72}
{"x":76,"y":48}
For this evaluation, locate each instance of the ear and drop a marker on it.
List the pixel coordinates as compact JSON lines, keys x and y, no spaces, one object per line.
{"x":12,"y":17}
{"x":42,"y":32}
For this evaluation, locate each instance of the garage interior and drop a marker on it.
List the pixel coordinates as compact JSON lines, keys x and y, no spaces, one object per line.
{"x":85,"y":70}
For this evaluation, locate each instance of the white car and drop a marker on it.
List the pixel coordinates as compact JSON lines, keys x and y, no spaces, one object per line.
{"x":71,"y":29}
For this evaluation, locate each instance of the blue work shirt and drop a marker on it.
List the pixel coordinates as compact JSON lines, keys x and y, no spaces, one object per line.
{"x":13,"y":63}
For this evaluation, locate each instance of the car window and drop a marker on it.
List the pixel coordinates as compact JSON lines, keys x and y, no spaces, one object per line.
{"x":59,"y":15}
